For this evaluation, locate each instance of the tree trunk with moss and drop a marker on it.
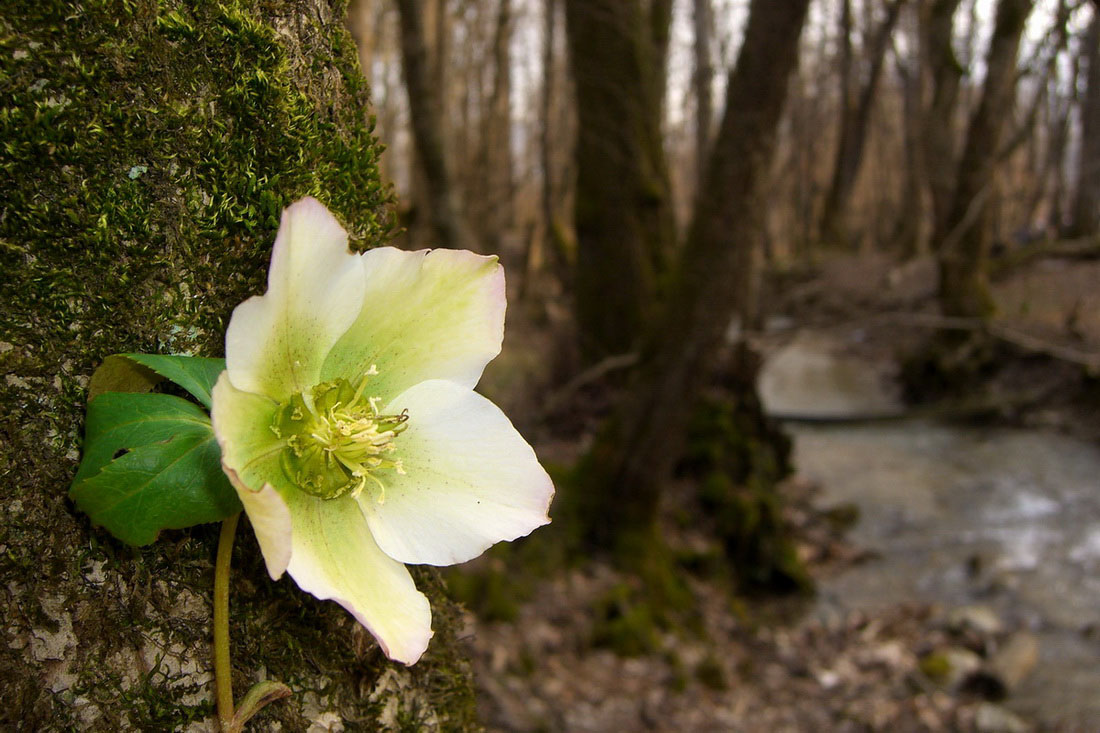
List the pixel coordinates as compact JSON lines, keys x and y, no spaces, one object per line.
{"x":623,"y":211}
{"x":633,"y":458}
{"x":148,"y":151}
{"x":964,"y":236}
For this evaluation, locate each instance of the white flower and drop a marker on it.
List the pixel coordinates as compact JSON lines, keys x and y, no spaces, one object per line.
{"x":349,"y":426}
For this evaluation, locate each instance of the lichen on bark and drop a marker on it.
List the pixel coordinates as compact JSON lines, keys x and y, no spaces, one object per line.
{"x":147,"y":151}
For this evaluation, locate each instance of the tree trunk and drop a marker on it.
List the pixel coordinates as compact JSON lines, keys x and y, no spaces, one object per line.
{"x":856,"y":107}
{"x":964,"y":237}
{"x":623,"y":213}
{"x":1085,"y":215}
{"x":496,"y":151}
{"x":555,"y":240}
{"x":149,"y":149}
{"x":425,"y":112}
{"x":945,"y":74}
{"x":702,"y":82}
{"x":634,"y":456}
{"x":911,"y":231}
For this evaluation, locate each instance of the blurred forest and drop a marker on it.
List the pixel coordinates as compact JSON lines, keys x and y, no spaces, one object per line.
{"x":681,"y":190}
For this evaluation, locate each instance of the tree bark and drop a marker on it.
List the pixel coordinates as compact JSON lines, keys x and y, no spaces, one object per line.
{"x":425,"y":112}
{"x":149,"y":150}
{"x":554,"y":240}
{"x":911,"y":231}
{"x":1085,"y":215}
{"x":945,"y":74}
{"x":702,"y":82}
{"x":964,"y":237}
{"x":634,"y":456}
{"x":496,"y":151}
{"x":623,"y":213}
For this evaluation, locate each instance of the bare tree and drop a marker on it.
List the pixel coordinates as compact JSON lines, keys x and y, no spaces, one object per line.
{"x":857,"y":102}
{"x":425,"y":110}
{"x":910,"y":230}
{"x":632,"y":459}
{"x":494,"y":168}
{"x":945,"y":74}
{"x":963,"y":238}
{"x":1085,"y":214}
{"x":702,"y":81}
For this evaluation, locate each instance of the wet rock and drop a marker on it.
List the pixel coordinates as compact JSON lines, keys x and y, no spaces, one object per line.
{"x":1007,"y":668}
{"x":992,"y":718}
{"x":814,"y":378}
{"x":980,"y":619}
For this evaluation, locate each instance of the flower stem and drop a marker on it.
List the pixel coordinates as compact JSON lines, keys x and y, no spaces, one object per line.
{"x":223,"y":678}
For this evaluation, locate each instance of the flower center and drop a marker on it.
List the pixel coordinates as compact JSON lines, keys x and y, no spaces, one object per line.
{"x":336,"y":439}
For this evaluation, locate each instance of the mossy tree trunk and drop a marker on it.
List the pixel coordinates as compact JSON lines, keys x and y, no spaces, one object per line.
{"x":633,"y":458}
{"x":964,"y":236}
{"x":149,"y":148}
{"x":623,"y":212}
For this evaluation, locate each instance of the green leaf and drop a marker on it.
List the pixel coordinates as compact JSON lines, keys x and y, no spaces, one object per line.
{"x":195,"y":374}
{"x":119,"y":421}
{"x":169,"y":476}
{"x":141,"y":372}
{"x":118,"y":374}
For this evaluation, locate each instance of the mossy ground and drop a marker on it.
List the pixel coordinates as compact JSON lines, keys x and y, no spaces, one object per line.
{"x":148,"y":149}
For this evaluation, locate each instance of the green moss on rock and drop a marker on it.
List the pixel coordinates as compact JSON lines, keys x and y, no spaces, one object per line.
{"x":147,"y":151}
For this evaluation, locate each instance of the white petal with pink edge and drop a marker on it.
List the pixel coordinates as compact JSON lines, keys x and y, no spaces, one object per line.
{"x":276,"y":342}
{"x":432,"y":314}
{"x":470,"y":480}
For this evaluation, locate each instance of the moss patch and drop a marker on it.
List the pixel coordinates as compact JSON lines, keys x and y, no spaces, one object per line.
{"x":738,"y":458}
{"x":148,"y":149}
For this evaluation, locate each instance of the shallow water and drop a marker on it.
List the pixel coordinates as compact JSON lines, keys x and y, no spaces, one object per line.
{"x":1005,"y":518}
{"x":955,"y":515}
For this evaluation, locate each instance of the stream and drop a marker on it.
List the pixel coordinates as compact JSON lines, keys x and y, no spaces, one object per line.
{"x":955,"y":515}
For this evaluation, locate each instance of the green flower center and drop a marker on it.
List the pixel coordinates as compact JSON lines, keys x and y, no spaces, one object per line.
{"x":337,"y":440}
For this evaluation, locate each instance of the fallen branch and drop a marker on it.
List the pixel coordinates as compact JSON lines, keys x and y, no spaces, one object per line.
{"x":1027,"y":342}
{"x":1083,"y":248}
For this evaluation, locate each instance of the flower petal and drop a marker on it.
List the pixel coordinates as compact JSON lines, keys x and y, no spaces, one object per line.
{"x":242,"y":425}
{"x":334,"y":557}
{"x":250,"y":458}
{"x":270,"y":519}
{"x":432,"y":314}
{"x":276,"y":342}
{"x":470,"y":480}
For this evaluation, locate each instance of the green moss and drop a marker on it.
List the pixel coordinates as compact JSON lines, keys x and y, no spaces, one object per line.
{"x":738,"y":459}
{"x":710,"y":672}
{"x":624,"y":622}
{"x":491,"y":593}
{"x":146,"y":151}
{"x":935,"y":666}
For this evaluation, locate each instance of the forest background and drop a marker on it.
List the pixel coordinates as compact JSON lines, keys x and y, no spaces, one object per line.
{"x":676,"y":188}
